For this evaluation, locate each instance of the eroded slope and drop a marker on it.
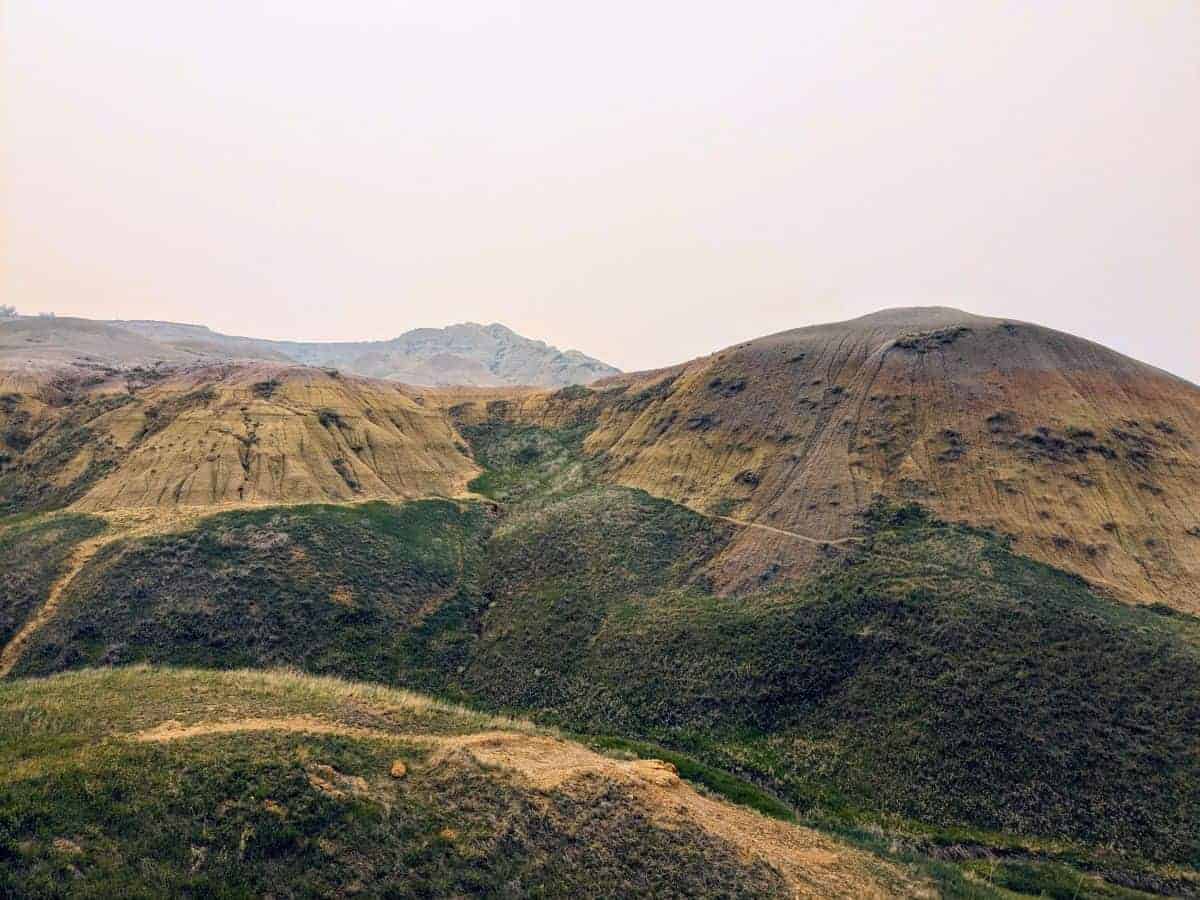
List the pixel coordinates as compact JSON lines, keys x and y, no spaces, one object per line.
{"x":1089,"y":459}
{"x":227,"y":434}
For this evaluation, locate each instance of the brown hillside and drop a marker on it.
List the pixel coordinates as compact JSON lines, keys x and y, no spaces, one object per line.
{"x":1089,"y":459}
{"x":257,"y":433}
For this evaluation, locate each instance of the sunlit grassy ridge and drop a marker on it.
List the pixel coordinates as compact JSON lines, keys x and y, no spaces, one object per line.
{"x":85,"y":811}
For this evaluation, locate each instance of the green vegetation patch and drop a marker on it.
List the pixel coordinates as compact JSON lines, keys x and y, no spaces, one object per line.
{"x":734,"y":789}
{"x":325,"y":588}
{"x":559,"y":576}
{"x":932,"y":685}
{"x":1056,"y":881}
{"x":934,"y":675}
{"x":523,"y":463}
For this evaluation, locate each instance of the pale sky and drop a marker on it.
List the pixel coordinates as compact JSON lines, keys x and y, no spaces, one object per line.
{"x":644,"y":181}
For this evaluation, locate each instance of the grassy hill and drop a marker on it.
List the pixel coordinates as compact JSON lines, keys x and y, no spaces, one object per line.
{"x":327,"y":588}
{"x":35,"y":551}
{"x":139,"y":782}
{"x":1087,"y":458}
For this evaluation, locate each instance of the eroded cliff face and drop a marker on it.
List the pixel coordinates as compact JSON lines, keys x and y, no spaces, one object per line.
{"x":227,"y":434}
{"x":1088,"y":459}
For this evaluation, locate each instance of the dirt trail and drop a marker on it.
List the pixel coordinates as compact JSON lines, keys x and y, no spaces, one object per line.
{"x":1114,"y":589}
{"x":821,"y":542}
{"x":76,"y":561}
{"x":172,"y":730}
{"x":812,"y":864}
{"x":121,"y":524}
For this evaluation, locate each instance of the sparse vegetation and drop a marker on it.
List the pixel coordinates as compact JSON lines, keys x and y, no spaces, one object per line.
{"x":266,"y":389}
{"x":925,"y":341}
{"x":933,"y":678}
{"x":329,"y":418}
{"x":36,"y":482}
{"x":573,"y":392}
{"x":924,"y":692}
{"x":522,"y":463}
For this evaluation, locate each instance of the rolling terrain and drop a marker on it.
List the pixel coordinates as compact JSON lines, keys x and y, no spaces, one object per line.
{"x":276,"y":783}
{"x":922,"y":583}
{"x":209,"y":435}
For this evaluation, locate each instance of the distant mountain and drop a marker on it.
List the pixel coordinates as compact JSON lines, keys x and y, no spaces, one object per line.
{"x":467,"y":354}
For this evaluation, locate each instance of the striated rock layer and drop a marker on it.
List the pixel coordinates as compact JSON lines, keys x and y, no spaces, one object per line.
{"x":1088,"y":459}
{"x":213,"y":435}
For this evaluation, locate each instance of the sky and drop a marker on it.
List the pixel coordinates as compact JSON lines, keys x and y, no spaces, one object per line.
{"x":643,"y":181}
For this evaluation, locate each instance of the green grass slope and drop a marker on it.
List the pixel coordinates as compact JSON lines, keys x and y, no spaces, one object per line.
{"x":326,"y":588}
{"x":87,"y":812}
{"x":932,"y":674}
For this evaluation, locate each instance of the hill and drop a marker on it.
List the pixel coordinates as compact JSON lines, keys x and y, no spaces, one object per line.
{"x":144,"y":783}
{"x":467,"y":354}
{"x":220,"y":434}
{"x":1089,"y":460}
{"x":31,"y":347}
{"x":931,"y":688}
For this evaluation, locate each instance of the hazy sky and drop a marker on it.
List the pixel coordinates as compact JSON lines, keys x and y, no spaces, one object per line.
{"x":644,"y":181}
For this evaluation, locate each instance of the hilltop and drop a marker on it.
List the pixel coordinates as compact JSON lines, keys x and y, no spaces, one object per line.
{"x":212,"y":435}
{"x":1083,"y":458}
